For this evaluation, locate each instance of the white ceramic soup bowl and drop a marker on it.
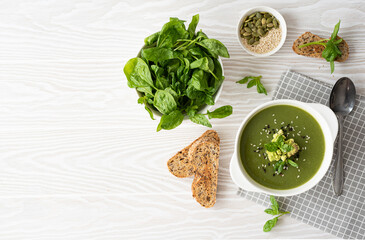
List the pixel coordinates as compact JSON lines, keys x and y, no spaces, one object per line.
{"x":329,"y":125}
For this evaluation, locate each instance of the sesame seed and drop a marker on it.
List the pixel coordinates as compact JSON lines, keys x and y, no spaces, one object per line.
{"x":298,"y":176}
{"x":273,"y":115}
{"x":259,"y":155}
{"x":296,"y":117}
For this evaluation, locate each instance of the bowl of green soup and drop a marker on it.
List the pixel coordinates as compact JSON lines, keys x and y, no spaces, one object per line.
{"x":284,"y":147}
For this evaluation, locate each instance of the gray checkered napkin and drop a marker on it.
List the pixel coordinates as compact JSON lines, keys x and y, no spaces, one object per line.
{"x":342,"y":216}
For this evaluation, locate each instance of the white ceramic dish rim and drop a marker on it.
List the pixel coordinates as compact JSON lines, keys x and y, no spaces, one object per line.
{"x":204,"y":109}
{"x":277,"y":15}
{"x":329,"y":124}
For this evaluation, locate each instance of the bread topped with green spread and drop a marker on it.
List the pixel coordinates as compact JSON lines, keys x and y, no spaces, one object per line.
{"x":315,"y":51}
{"x":201,"y":159}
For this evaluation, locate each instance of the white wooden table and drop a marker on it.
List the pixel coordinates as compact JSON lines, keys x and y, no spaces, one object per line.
{"x":80,"y":159}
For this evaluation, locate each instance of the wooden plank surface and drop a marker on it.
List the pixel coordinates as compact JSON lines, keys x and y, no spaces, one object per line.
{"x":80,"y":159}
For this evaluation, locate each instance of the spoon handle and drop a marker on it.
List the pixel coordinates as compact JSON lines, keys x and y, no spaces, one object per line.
{"x":338,"y":169}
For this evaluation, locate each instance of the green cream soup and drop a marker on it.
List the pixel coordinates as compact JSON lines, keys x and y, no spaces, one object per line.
{"x":295,"y":124}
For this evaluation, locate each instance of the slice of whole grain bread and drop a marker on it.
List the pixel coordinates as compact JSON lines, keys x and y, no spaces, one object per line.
{"x":315,"y":51}
{"x":180,"y":164}
{"x":205,"y":157}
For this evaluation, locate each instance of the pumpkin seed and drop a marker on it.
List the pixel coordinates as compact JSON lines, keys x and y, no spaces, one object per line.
{"x":250,"y":25}
{"x":270,"y":25}
{"x":258,"y":23}
{"x":275,"y":23}
{"x":257,"y":39}
{"x":252,"y":15}
{"x":242,"y":31}
{"x":247,"y":29}
{"x":263,"y":21}
{"x":258,"y":15}
{"x":255,"y":43}
{"x":247,"y":37}
{"x":267,"y":15}
{"x":254,"y":29}
{"x":247,"y":34}
{"x":269,"y":20}
{"x":251,"y":41}
{"x":261,"y":32}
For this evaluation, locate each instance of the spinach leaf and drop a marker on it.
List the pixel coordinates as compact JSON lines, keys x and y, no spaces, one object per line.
{"x":209,"y":99}
{"x":164,"y":102}
{"x":193,"y":93}
{"x":197,"y":51}
{"x":199,"y":80}
{"x":159,"y":54}
{"x":200,"y":119}
{"x":221,"y":112}
{"x":205,"y":64}
{"x":161,"y":81}
{"x":170,"y":121}
{"x":138,"y":73}
{"x":171,"y":32}
{"x":151,"y":39}
{"x":215,"y":47}
{"x":192,"y":26}
{"x":201,"y":35}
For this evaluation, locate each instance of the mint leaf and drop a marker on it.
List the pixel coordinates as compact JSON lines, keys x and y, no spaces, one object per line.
{"x":270,"y":224}
{"x":253,"y":81}
{"x":292,"y":163}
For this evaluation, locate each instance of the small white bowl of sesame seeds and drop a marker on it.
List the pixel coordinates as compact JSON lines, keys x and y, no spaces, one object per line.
{"x":261,"y":31}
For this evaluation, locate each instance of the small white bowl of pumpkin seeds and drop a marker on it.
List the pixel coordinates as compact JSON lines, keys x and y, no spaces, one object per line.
{"x":261,"y":31}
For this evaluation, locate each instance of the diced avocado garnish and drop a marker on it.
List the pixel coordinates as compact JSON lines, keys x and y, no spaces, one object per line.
{"x":281,"y":149}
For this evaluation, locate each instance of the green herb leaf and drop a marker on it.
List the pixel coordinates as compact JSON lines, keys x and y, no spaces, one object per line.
{"x":170,"y":121}
{"x":253,"y":81}
{"x":277,"y":164}
{"x":286,"y":148}
{"x":270,"y":211}
{"x":274,"y":204}
{"x":270,"y":224}
{"x":271,"y":147}
{"x":200,"y":119}
{"x":221,"y":112}
{"x":281,"y":166}
{"x":292,"y":163}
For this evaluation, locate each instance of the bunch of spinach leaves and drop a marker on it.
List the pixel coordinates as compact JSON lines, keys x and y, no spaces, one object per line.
{"x":178,"y":73}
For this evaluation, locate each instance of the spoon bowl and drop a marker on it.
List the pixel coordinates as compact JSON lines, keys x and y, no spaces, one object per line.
{"x":342,"y":102}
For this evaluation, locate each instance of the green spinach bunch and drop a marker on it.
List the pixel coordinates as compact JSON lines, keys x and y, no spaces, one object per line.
{"x":274,"y":210}
{"x":331,"y":51}
{"x":178,"y":73}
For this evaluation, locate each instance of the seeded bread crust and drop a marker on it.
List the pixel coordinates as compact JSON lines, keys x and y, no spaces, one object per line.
{"x":180,"y":164}
{"x":206,"y":159}
{"x":315,"y":51}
